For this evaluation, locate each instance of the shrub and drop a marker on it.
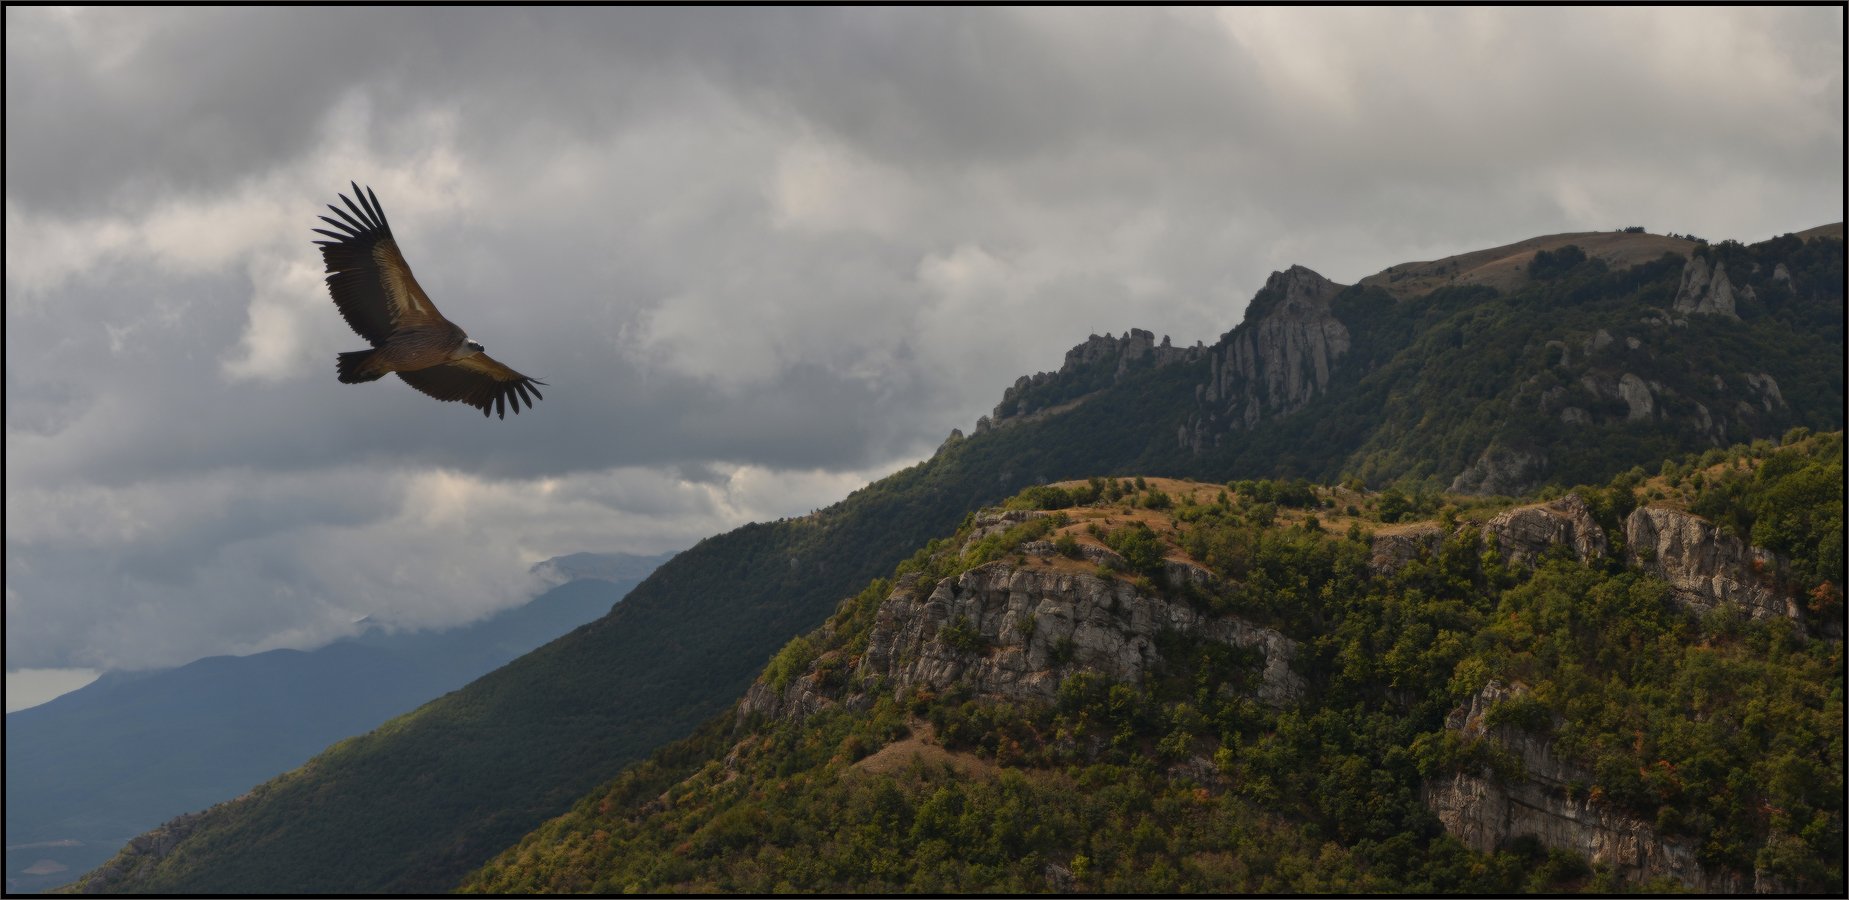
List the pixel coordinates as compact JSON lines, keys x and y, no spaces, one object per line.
{"x":962,"y":635}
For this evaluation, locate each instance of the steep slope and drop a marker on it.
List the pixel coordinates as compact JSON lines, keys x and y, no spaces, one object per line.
{"x":1185,"y":687}
{"x":87,"y":771}
{"x":1425,"y":390}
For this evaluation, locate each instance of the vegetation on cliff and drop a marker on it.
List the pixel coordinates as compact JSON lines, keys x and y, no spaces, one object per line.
{"x":1710,"y":727}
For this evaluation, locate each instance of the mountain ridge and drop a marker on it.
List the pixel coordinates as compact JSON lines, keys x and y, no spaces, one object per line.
{"x":1426,"y":390}
{"x":131,"y":750}
{"x":986,"y":653}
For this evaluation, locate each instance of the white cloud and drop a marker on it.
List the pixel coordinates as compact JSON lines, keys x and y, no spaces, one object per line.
{"x":26,"y":688}
{"x":105,"y":576}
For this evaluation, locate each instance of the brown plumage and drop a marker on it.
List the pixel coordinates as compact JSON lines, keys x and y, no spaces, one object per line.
{"x":373,"y":287}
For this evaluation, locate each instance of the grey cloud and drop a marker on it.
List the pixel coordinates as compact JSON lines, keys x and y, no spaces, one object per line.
{"x":757,"y":253}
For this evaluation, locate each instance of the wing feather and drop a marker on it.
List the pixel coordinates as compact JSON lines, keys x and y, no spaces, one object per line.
{"x":367,"y":275}
{"x":477,"y":381}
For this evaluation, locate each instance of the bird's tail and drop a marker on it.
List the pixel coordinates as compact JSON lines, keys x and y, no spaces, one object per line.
{"x":353,"y":367}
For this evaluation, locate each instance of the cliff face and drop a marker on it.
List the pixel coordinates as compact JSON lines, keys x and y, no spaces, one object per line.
{"x":1706,"y":291}
{"x":1012,"y":632}
{"x":1526,"y":532}
{"x":1706,"y":566}
{"x":1395,"y":546}
{"x":1274,"y":362}
{"x":1500,"y":470}
{"x":1034,"y":627}
{"x":1485,"y":812}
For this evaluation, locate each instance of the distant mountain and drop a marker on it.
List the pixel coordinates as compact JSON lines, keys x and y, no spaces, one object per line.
{"x":1581,"y":366}
{"x":88,"y":770}
{"x":618,"y":567}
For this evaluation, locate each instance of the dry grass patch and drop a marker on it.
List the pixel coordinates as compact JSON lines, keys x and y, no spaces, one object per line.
{"x":1506,"y":267}
{"x":922,"y":745}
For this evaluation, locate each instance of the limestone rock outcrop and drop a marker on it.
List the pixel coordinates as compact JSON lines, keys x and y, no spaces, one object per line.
{"x":1028,"y":628}
{"x":1526,"y":532}
{"x":1394,"y":547}
{"x":1767,"y":388}
{"x":1500,"y":470}
{"x":804,"y":696}
{"x":1705,"y":290}
{"x":1014,"y":632}
{"x":1706,"y":566}
{"x":1485,"y":812}
{"x":1275,"y":362}
{"x":1637,"y":396}
{"x":1088,"y":362}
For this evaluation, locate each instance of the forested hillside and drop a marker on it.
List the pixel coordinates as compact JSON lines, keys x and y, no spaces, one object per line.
{"x":94,"y":767}
{"x":1580,"y":371}
{"x":1518,"y":648}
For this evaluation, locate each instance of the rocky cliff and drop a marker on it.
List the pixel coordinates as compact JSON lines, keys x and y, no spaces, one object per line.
{"x":1279,"y":358}
{"x":1547,"y":802}
{"x":1013,"y":632}
{"x":1706,"y":291}
{"x":1706,"y":566}
{"x":1526,"y":532}
{"x":1034,"y":626}
{"x":1089,"y":367}
{"x":1396,"y":545}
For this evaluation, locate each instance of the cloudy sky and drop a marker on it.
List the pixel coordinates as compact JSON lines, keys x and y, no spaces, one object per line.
{"x":761,"y":256}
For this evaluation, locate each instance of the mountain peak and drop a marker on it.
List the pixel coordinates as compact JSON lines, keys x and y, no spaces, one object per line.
{"x":1298,"y":288}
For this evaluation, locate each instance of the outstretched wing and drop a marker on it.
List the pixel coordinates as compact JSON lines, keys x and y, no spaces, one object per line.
{"x":478,"y":381}
{"x":368,"y":277}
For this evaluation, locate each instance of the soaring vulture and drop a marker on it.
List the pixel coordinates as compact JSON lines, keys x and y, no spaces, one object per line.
{"x":373,"y":287}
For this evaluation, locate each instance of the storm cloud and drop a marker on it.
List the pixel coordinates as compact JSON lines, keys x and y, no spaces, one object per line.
{"x":760,"y":255}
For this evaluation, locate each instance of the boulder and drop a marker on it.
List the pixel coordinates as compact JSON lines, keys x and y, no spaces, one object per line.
{"x":1637,"y":396}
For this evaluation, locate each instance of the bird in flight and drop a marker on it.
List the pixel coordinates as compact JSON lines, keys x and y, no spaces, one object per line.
{"x":373,"y":287}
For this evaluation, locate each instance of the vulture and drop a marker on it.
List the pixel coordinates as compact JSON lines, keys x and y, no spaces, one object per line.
{"x":374,"y":290}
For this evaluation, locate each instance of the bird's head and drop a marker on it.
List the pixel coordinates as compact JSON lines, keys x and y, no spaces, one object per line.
{"x":469,"y":347}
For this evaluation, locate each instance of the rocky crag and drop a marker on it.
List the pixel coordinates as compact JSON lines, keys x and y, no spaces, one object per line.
{"x":1522,"y":534}
{"x":1274,"y":363}
{"x":1708,"y":568}
{"x":1088,"y":368}
{"x":1012,"y":631}
{"x":1486,"y":811}
{"x":1526,"y":532}
{"x":1706,"y":291}
{"x":1310,"y":347}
